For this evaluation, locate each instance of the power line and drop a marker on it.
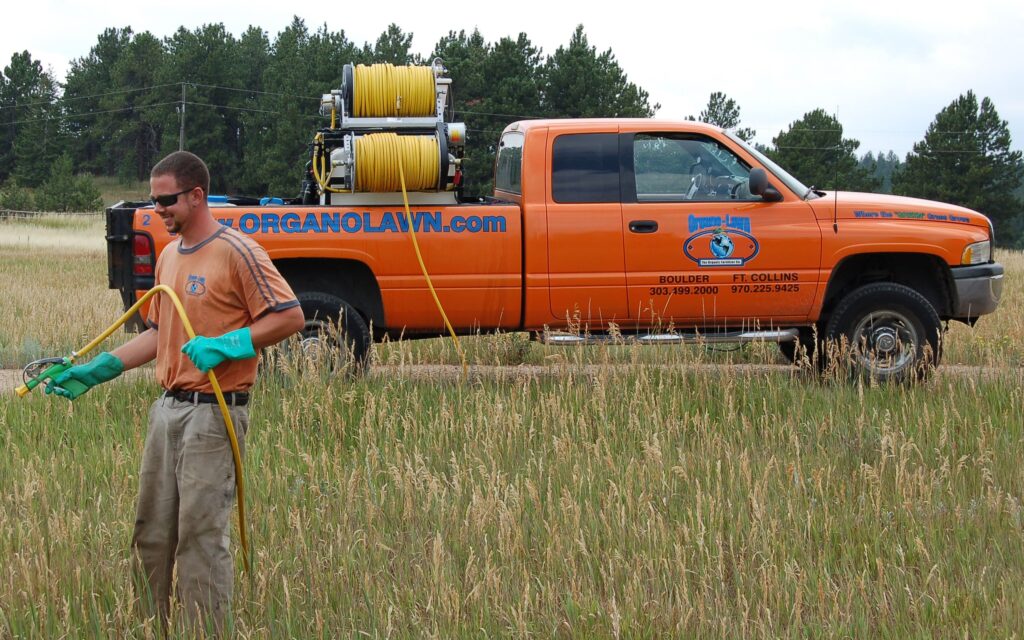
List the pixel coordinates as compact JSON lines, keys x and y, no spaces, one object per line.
{"x":499,"y":115}
{"x":61,"y":99}
{"x":265,"y":93}
{"x":70,"y":116}
{"x":224,"y":106}
{"x":839,"y":149}
{"x":64,"y":99}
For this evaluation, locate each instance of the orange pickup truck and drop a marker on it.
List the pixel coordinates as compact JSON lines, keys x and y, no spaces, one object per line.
{"x":644,"y":230}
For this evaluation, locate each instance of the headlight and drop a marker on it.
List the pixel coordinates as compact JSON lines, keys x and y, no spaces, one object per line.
{"x":977,"y":253}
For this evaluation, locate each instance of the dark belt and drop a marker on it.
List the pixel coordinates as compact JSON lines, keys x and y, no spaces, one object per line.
{"x":232,"y":398}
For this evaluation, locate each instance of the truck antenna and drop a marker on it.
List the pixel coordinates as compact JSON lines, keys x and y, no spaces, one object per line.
{"x":835,"y":182}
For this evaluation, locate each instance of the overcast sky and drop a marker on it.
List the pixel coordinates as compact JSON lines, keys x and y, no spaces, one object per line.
{"x":884,"y":67}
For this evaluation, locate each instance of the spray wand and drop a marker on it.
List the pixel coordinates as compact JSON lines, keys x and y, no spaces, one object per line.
{"x":39,"y":371}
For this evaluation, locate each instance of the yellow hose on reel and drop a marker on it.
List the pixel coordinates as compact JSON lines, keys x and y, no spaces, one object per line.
{"x":379,"y":153}
{"x":384,"y":90}
{"x":228,"y":424}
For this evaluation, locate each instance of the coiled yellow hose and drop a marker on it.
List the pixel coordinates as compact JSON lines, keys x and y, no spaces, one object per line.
{"x":384,"y":90}
{"x":378,"y":155}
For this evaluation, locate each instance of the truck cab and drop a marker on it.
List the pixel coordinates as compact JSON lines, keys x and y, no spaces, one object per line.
{"x":653,"y":224}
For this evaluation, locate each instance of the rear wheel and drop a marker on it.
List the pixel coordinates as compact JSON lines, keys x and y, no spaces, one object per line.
{"x":802,"y":350}
{"x":886,"y":332}
{"x":334,"y":336}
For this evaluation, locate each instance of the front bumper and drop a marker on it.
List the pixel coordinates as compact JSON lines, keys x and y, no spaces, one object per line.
{"x":978,"y":290}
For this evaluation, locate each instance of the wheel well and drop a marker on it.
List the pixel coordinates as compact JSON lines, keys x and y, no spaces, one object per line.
{"x":350,"y":280}
{"x":927,"y":274}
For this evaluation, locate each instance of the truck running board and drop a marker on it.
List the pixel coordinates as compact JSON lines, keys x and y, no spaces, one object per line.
{"x":566,"y":339}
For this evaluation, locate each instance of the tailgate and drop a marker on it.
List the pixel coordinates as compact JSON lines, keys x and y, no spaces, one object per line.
{"x":121,"y":259}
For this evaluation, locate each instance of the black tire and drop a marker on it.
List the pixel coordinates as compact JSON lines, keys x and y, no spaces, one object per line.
{"x":335,"y":334}
{"x":886,"y":332}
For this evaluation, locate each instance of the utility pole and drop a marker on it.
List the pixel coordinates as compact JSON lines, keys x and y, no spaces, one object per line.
{"x":181,"y":132}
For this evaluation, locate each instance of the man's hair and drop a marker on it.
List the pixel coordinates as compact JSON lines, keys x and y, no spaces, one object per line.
{"x":188,"y":169}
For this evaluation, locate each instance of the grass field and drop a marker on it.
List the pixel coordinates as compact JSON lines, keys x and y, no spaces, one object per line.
{"x":608,"y":492}
{"x":114,"y":189}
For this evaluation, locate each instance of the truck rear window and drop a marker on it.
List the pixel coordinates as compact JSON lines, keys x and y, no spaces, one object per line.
{"x":508,"y":167}
{"x":585,"y":168}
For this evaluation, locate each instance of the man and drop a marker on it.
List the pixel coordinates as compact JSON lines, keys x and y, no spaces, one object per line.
{"x":231,"y":291}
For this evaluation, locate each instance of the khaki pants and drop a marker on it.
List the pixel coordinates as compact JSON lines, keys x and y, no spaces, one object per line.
{"x":186,"y":493}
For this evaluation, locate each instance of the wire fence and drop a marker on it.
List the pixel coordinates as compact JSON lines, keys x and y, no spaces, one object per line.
{"x":12,"y":214}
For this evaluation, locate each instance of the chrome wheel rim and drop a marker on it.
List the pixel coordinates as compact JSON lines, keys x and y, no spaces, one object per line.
{"x":320,"y":346}
{"x":885,"y":343}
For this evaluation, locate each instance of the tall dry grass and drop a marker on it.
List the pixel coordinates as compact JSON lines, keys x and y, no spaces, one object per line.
{"x":598,"y":496}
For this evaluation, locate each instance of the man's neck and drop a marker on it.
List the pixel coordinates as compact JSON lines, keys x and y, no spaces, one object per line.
{"x":201,"y":228}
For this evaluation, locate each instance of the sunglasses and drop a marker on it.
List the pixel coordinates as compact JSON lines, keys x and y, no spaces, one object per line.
{"x":169,"y":199}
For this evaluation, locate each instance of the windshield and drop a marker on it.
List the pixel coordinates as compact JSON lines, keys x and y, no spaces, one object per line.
{"x":794,"y":185}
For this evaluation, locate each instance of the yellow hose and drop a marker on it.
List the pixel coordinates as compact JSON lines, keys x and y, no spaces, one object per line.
{"x":423,"y":266}
{"x":378,"y":153}
{"x":239,"y":482}
{"x":320,"y":171}
{"x":384,"y":90}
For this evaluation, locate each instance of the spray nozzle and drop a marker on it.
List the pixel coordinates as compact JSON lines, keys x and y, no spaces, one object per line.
{"x":39,"y":371}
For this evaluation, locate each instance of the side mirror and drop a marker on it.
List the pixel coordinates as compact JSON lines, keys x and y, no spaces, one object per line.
{"x":759,"y":186}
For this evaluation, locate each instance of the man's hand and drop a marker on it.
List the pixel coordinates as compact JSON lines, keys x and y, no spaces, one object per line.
{"x":80,"y":378}
{"x":207,"y":353}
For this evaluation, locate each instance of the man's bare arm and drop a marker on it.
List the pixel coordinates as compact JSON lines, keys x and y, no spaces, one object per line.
{"x":276,"y":326}
{"x":137,"y":351}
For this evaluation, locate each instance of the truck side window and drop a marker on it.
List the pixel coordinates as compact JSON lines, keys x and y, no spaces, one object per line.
{"x":585,"y":168}
{"x":673,"y":168}
{"x":508,"y":167}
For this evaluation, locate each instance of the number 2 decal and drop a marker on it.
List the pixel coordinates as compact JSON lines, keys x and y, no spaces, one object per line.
{"x":145,"y":219}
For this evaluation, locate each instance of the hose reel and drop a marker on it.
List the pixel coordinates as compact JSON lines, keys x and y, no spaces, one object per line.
{"x":368,"y":162}
{"x":384,"y":114}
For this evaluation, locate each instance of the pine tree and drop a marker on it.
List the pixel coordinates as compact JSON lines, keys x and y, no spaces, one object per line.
{"x":253,"y":59}
{"x":93,"y":101}
{"x":882,"y":167}
{"x":64,"y":191}
{"x":965,"y":159}
{"x":580,"y":83}
{"x":466,"y":56}
{"x":517,"y":96}
{"x":206,"y":60}
{"x":722,"y":111}
{"x":814,"y":150}
{"x":393,"y":46}
{"x":30,"y":131}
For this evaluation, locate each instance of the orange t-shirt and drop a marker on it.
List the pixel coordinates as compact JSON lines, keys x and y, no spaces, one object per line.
{"x":225,"y":282}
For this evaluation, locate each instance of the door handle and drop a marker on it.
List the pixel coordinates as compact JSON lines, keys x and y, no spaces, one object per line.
{"x":643,"y":226}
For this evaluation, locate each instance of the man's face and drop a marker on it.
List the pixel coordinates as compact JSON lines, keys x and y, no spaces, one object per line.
{"x":177,"y":213}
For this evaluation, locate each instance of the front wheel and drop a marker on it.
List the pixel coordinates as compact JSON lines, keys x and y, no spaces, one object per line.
{"x":886,"y":332}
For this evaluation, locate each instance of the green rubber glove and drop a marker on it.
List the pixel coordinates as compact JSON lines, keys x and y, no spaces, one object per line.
{"x":80,"y":378}
{"x":207,"y":353}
